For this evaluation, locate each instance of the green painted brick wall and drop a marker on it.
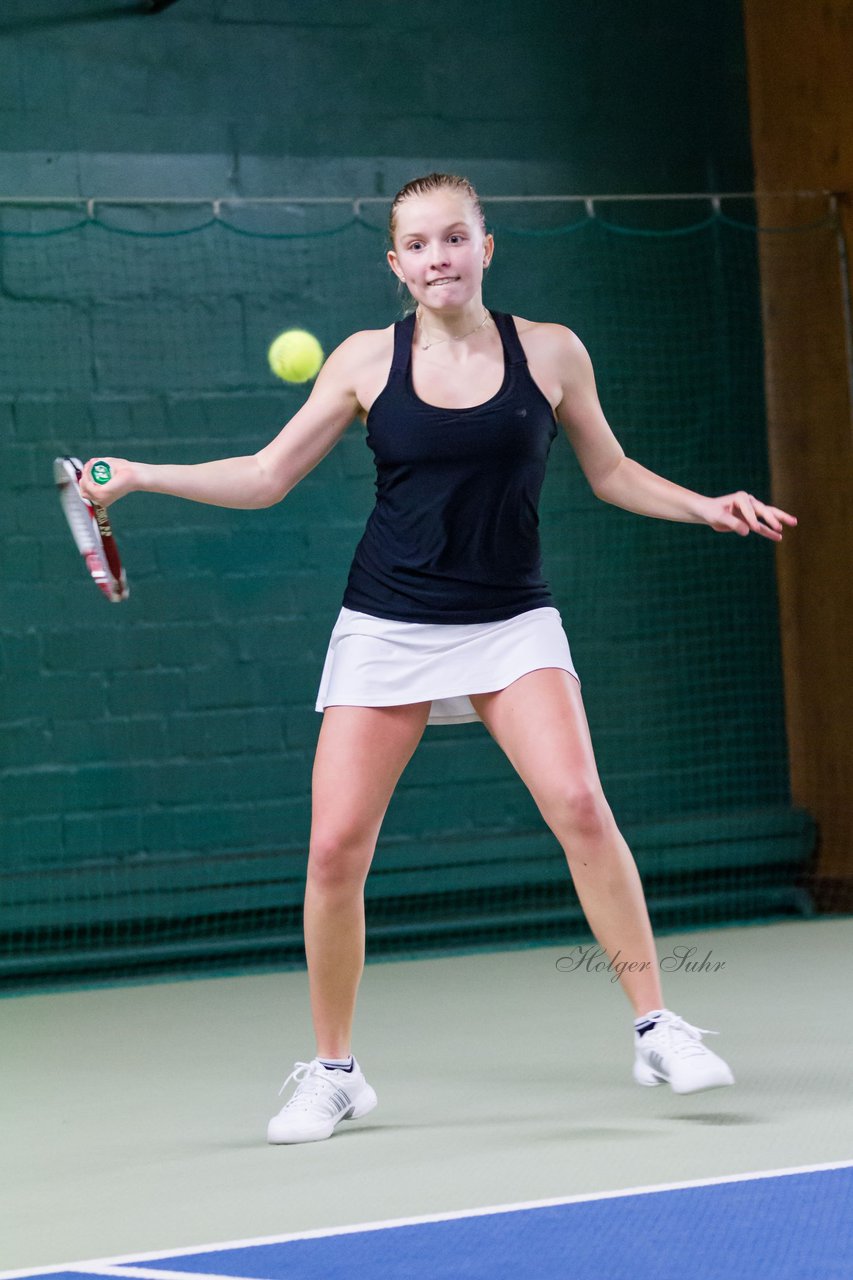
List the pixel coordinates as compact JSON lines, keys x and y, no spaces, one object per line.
{"x":180,"y":727}
{"x":612,"y":97}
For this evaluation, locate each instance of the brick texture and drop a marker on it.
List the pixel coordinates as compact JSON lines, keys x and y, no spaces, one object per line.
{"x":179,"y":727}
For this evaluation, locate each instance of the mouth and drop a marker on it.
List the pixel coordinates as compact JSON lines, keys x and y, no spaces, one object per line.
{"x":431,"y":284}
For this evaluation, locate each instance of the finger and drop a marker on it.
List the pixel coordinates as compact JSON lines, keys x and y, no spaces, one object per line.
{"x":784,"y":516}
{"x":767,"y":515}
{"x":773,"y":516}
{"x":731,"y":524}
{"x":84,"y":480}
{"x":746,"y":505}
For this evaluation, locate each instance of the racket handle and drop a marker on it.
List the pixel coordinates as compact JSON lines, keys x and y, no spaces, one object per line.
{"x":108,"y":542}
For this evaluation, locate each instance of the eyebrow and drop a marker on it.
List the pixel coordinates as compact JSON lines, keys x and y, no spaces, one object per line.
{"x":419,"y":235}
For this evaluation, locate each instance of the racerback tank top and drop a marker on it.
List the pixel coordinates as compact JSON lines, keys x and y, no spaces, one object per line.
{"x":454,"y":534}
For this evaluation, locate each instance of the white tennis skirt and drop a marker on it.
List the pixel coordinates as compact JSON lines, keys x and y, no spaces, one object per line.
{"x":375,"y":662}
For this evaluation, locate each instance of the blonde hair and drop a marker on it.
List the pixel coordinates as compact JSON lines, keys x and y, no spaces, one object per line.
{"x":426,"y":186}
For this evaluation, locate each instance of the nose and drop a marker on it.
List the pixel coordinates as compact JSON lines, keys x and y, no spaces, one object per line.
{"x":439,"y":254}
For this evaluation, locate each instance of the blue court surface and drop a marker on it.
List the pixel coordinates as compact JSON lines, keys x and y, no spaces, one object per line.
{"x":779,"y":1225}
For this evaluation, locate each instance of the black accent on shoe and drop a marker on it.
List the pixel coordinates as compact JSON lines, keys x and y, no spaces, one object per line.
{"x":334,"y":1066}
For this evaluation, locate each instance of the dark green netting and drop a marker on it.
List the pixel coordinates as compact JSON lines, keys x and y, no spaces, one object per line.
{"x":157,"y":754}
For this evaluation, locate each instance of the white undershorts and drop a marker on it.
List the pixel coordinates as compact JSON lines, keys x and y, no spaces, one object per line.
{"x":375,"y":662}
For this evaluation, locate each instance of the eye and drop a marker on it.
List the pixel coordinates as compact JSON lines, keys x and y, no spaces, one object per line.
{"x":456,"y":237}
{"x":416,"y":244}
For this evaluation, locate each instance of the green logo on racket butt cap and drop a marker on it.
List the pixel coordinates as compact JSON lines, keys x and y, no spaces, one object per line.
{"x":101,"y":472}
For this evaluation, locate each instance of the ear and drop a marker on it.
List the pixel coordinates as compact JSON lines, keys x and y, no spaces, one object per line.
{"x":488,"y":250}
{"x":394,"y":264}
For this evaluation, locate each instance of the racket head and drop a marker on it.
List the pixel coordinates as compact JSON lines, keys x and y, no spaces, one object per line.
{"x":91,"y":530}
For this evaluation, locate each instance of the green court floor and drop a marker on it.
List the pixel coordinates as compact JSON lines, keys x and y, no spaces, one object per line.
{"x":134,"y":1117}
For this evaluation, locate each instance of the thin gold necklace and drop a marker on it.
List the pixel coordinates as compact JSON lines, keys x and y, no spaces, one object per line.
{"x":452,"y":337}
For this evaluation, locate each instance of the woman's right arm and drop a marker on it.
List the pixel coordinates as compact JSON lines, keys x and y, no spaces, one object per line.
{"x":263,"y":478}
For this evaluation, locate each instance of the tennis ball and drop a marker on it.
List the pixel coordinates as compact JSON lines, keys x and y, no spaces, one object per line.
{"x":295,"y":356}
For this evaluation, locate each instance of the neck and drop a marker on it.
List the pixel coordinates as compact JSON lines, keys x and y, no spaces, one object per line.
{"x":450,"y":326}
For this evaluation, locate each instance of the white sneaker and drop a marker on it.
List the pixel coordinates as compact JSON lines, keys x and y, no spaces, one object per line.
{"x":321,"y":1099}
{"x":673,"y":1053}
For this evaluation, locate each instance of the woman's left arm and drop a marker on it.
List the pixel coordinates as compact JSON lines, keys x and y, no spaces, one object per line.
{"x":625,"y":483}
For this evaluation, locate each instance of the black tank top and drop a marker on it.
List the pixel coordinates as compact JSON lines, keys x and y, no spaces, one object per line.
{"x":454,"y":535}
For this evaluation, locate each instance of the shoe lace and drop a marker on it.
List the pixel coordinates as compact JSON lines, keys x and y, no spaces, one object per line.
{"x":684,"y":1039}
{"x":313,"y":1086}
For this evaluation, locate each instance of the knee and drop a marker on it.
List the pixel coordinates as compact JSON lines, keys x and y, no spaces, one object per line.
{"x":579,"y":810}
{"x":337,"y":863}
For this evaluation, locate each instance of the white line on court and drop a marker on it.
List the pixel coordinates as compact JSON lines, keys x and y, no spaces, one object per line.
{"x":149,"y":1273}
{"x":129,"y":1264}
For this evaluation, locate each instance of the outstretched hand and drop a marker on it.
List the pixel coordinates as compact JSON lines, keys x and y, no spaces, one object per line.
{"x":742,"y":513}
{"x":119,"y":483}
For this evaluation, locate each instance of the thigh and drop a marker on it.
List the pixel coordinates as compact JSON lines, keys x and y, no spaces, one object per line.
{"x":540,"y":723}
{"x":361,"y":753}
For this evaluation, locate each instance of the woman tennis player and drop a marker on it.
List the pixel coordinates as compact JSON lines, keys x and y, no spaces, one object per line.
{"x":446,"y":616}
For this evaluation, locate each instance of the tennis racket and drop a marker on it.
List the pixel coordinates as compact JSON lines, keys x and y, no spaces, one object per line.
{"x":91,"y":528}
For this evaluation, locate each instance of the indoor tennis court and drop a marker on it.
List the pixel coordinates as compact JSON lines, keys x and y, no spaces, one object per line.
{"x":181,"y":182}
{"x":134,"y":1119}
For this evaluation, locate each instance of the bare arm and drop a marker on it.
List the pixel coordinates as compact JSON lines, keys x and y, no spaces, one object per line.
{"x":260,"y":479}
{"x":621,"y":481}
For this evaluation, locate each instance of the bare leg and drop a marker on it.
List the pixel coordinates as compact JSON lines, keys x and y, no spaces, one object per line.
{"x":361,"y":754}
{"x":540,"y":723}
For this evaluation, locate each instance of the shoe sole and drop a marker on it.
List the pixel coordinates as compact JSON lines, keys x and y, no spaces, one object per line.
{"x":645,"y":1075}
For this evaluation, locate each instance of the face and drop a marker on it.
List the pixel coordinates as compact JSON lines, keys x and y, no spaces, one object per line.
{"x":440,"y":251}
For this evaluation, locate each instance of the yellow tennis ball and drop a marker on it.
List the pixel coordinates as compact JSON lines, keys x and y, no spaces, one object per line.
{"x":295,"y":356}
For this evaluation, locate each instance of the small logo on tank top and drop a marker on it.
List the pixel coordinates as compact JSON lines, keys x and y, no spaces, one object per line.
{"x":521,"y":413}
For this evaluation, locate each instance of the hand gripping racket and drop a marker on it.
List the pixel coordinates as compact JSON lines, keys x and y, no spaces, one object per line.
{"x":90,"y":527}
